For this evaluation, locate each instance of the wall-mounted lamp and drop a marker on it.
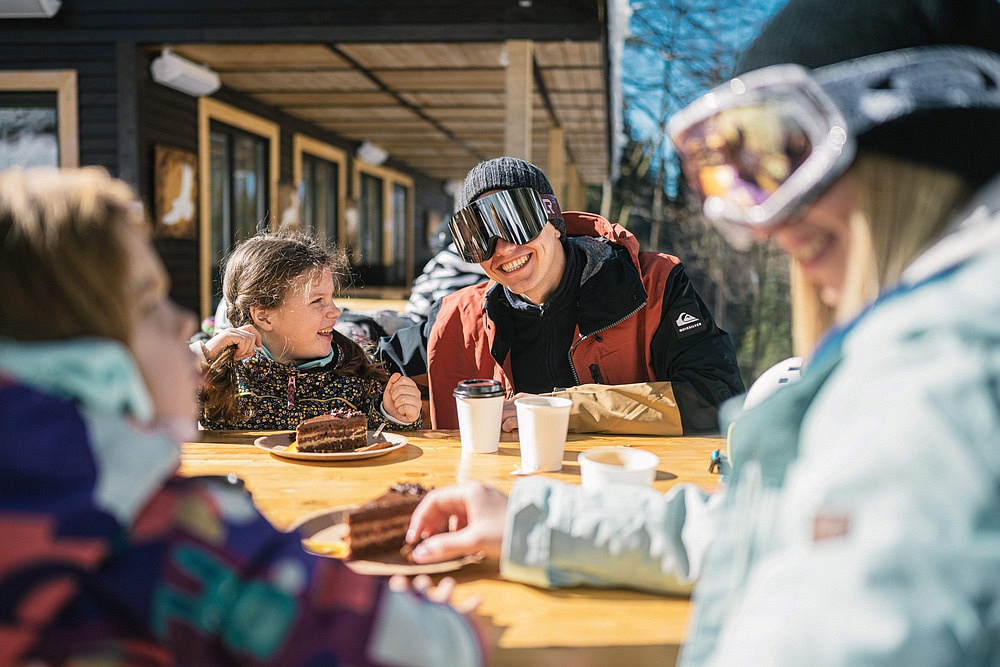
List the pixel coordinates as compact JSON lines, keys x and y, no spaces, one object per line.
{"x":181,"y":74}
{"x":29,"y":9}
{"x":372,"y":154}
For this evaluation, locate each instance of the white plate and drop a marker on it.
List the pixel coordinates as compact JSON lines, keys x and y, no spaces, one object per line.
{"x":278,"y":443}
{"x":323,"y":534}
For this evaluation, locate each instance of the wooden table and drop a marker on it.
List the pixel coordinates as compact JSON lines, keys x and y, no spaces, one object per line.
{"x":580,"y":626}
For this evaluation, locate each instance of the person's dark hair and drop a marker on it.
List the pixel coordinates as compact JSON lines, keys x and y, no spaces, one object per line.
{"x":259,"y":272}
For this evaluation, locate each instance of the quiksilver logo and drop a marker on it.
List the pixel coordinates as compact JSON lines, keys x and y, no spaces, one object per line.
{"x":685,"y":318}
{"x":686,"y":322}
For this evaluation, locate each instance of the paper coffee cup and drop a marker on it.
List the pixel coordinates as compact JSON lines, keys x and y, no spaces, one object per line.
{"x":480,"y":409}
{"x":601,"y":466}
{"x":542,"y":422}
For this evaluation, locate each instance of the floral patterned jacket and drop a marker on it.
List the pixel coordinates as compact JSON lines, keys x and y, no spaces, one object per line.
{"x":275,"y":396}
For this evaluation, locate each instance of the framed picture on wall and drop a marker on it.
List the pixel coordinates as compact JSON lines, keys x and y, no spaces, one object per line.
{"x":176,"y":193}
{"x":432,"y":225}
{"x":289,"y":207}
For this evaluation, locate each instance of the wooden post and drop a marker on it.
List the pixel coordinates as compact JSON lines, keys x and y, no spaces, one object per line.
{"x":555,"y":169}
{"x":519,"y":98}
{"x":574,"y":190}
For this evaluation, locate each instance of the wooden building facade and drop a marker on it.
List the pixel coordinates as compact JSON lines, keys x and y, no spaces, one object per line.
{"x":356,"y":120}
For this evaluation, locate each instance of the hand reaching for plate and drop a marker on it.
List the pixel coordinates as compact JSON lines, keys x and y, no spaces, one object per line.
{"x":456,"y":521}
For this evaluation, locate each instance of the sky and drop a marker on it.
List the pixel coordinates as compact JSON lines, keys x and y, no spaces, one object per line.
{"x":678,"y":49}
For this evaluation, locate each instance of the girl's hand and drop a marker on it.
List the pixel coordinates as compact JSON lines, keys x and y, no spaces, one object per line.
{"x":401,"y":399}
{"x":442,"y":593}
{"x":246,"y":339}
{"x":508,"y":421}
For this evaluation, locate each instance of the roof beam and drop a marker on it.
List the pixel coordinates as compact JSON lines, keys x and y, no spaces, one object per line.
{"x":415,"y":109}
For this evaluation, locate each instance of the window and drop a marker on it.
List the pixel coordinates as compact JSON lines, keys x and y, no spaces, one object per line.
{"x":367,"y":245}
{"x":238,"y":157}
{"x":38,"y":119}
{"x":320,"y":180}
{"x":380,"y":240}
{"x":28,"y":130}
{"x":401,"y":235}
{"x":239,"y":191}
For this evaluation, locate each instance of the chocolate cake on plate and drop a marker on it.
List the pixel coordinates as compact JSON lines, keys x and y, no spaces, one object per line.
{"x":380,"y":525}
{"x":341,"y":430}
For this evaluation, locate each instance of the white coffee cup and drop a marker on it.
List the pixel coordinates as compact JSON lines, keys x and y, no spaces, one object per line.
{"x":600,"y":466}
{"x":542,"y":422}
{"x":480,"y":409}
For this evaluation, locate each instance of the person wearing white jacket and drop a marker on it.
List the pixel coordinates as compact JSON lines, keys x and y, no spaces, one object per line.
{"x":859,"y":526}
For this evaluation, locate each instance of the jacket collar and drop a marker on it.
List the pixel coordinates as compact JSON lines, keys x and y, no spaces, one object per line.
{"x":975,"y":230}
{"x":591,"y":224}
{"x":97,"y":372}
{"x":611,"y":281}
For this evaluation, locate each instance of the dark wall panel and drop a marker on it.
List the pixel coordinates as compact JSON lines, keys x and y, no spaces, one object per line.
{"x":318,"y":20}
{"x":169,"y":118}
{"x":429,"y":200}
{"x":95,"y":66}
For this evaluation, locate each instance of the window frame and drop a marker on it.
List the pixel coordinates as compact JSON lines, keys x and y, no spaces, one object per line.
{"x":62,"y":82}
{"x":210,"y":109}
{"x":301,"y":144}
{"x":390,"y":178}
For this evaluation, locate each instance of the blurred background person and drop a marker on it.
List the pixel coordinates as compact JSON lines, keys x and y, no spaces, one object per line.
{"x":109,"y":557}
{"x":445,"y":273}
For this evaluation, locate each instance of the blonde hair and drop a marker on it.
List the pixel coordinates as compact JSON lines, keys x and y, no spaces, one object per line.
{"x":64,"y":266}
{"x":903,"y":209}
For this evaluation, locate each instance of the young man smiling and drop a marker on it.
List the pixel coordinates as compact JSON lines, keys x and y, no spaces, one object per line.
{"x":573,"y":307}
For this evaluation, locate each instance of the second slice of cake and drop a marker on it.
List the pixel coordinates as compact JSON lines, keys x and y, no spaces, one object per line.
{"x":380,"y":525}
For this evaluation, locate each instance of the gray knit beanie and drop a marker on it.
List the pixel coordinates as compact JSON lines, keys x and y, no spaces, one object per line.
{"x":506,"y":173}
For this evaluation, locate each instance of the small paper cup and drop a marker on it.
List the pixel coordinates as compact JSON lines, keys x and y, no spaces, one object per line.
{"x":480,"y":411}
{"x":601,"y":466}
{"x":542,"y":422}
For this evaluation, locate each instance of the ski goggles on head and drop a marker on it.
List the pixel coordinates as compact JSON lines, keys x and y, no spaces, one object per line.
{"x":756,"y":148}
{"x":516,"y":216}
{"x":762,"y":146}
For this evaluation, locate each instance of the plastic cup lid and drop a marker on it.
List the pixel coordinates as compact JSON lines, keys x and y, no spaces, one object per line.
{"x":477,"y":388}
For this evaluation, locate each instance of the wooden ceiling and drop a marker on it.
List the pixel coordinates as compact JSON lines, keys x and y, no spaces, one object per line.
{"x":437,"y":107}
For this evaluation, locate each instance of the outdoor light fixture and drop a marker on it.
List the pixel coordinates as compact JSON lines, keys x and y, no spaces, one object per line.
{"x":372,"y":154}
{"x":181,"y":74}
{"x":29,"y":9}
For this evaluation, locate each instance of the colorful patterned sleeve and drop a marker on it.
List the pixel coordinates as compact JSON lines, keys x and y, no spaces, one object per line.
{"x":233,"y":589}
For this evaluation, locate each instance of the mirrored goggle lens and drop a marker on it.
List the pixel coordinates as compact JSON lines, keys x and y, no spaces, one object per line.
{"x":738,"y":158}
{"x":516,"y":216}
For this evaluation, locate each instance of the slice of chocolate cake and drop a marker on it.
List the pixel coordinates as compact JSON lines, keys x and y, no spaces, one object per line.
{"x":342,"y":430}
{"x":380,"y":525}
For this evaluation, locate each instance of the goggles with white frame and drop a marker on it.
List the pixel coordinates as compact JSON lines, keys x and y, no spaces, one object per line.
{"x":761,"y":147}
{"x":516,"y":216}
